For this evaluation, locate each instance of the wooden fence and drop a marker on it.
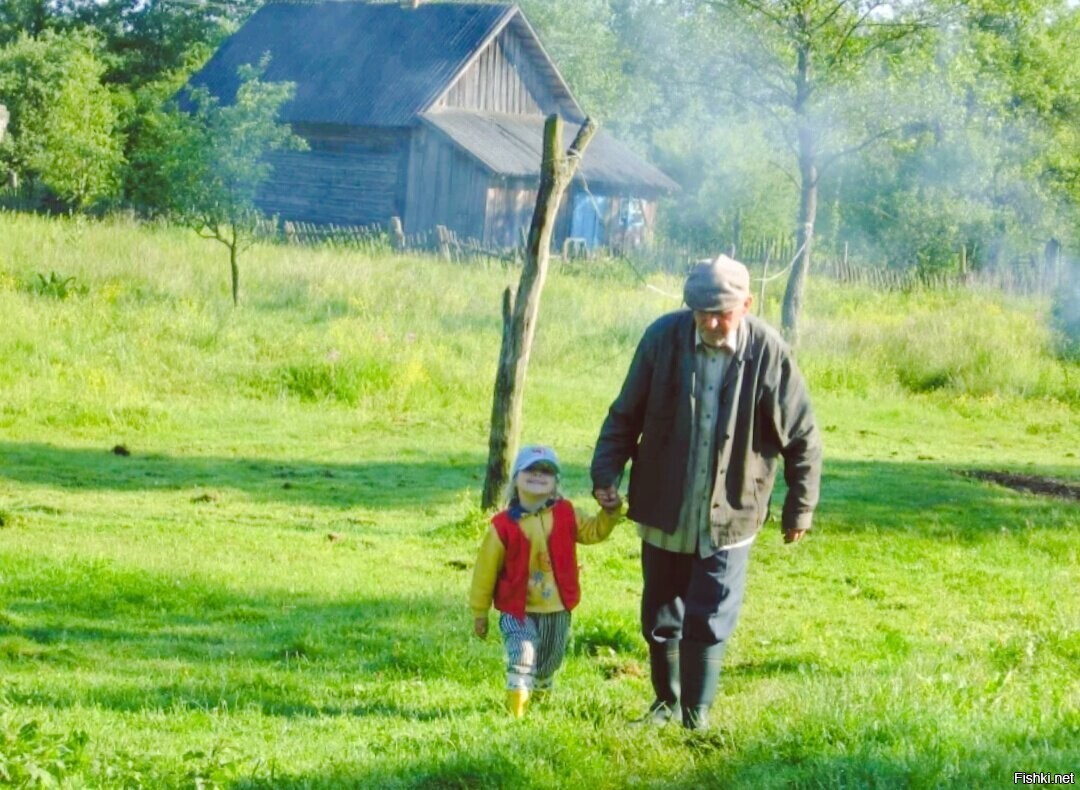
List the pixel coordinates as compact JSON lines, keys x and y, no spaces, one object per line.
{"x":384,"y":239}
{"x":769,"y":256}
{"x":1026,"y":275}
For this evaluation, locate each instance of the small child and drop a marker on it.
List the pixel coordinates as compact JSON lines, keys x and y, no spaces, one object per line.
{"x":528,"y":565}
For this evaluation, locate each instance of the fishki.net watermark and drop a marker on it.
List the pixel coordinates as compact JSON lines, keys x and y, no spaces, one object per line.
{"x":1043,"y":779}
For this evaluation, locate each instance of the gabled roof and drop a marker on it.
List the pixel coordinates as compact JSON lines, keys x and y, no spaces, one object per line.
{"x":512,"y":145}
{"x":367,"y":64}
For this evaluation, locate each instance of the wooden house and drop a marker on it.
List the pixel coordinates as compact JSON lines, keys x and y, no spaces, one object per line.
{"x":429,"y":112}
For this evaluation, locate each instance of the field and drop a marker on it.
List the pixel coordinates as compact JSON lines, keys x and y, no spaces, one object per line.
{"x":235,"y":544}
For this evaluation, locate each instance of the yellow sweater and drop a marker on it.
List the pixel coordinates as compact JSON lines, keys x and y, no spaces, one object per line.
{"x":542,"y":594}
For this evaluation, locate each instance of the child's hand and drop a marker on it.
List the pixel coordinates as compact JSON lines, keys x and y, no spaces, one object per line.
{"x":608,"y":498}
{"x":480,"y":627}
{"x":613,"y":504}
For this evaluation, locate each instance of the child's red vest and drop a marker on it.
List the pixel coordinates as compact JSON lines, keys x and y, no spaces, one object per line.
{"x":512,"y":585}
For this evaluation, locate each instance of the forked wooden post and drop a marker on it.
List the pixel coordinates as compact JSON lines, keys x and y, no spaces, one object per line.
{"x":520,"y":309}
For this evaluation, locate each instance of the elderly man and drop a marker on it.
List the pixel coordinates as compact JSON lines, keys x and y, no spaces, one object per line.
{"x":712,"y":399}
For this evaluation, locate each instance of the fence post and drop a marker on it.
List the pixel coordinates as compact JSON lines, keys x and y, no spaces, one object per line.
{"x":397,"y":230}
{"x":442,"y":233}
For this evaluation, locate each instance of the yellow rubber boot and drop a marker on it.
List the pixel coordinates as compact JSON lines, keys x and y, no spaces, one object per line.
{"x":516,"y":700}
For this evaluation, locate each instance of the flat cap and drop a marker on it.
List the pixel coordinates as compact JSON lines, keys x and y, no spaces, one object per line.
{"x":717,"y":284}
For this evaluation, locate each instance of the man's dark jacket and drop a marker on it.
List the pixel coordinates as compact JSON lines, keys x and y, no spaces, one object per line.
{"x":765,"y":413}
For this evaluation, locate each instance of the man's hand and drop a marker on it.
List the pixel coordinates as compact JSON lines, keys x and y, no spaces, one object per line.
{"x":480,"y":627}
{"x":793,"y":535}
{"x":608,"y":498}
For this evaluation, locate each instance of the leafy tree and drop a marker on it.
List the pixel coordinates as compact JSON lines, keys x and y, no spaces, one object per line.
{"x":64,"y":122}
{"x":151,"y":127}
{"x":17,"y":17}
{"x":146,"y":40}
{"x":141,"y":40}
{"x":990,"y":171}
{"x":802,"y":65}
{"x":215,"y":158}
{"x":589,"y":52}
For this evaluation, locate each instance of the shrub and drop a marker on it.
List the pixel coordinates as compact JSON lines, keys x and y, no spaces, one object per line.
{"x":64,"y":120}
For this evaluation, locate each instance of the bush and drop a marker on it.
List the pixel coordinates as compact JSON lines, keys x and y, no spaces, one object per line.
{"x":64,"y":121}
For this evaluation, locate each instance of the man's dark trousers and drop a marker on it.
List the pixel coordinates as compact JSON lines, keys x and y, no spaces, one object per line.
{"x":689,"y":608}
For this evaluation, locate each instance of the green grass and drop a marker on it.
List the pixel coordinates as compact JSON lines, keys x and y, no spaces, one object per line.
{"x":269,"y":590}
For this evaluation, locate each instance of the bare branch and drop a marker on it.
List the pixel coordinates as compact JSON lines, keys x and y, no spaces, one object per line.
{"x":785,"y":172}
{"x":835,"y":10}
{"x":874,"y":138}
{"x":858,"y":23}
{"x":757,"y":7}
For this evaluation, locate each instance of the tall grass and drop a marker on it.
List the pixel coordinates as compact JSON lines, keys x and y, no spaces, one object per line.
{"x":977,"y":343}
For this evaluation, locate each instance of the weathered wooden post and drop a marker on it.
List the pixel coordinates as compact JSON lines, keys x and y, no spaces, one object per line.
{"x":442,"y":233}
{"x":397,"y":231}
{"x":520,"y":311}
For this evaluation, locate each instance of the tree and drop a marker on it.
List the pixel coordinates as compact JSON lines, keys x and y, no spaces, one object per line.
{"x":215,"y":158}
{"x":521,"y":310}
{"x":64,"y":122}
{"x":991,"y":176}
{"x":146,"y":40}
{"x":582,"y":41}
{"x":18,"y":17}
{"x":143,"y":40}
{"x":796,"y":62}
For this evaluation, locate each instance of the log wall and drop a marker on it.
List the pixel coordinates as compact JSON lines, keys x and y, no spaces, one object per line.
{"x":350,"y":176}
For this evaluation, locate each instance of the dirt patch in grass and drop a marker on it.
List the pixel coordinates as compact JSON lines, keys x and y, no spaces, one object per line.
{"x":1031,"y":484}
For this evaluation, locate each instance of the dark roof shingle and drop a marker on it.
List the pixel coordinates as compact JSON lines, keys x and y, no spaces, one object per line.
{"x":512,"y":145}
{"x":356,"y":63}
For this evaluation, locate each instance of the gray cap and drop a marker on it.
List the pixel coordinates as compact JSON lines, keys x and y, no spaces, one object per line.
{"x":532,"y":454}
{"x":719,"y":284}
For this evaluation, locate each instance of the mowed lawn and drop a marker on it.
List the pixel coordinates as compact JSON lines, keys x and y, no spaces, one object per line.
{"x":236,"y":543}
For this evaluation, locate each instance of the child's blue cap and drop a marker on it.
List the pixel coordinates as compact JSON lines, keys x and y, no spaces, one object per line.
{"x":534,"y":454}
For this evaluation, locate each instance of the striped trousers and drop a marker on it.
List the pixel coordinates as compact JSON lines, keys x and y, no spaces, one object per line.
{"x":535,"y":648}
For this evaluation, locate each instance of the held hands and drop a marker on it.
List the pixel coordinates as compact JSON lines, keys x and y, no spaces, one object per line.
{"x":480,"y":627}
{"x":608,"y":498}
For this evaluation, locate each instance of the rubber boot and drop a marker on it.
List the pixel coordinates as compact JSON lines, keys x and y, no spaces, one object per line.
{"x":516,"y":700}
{"x":664,"y":672}
{"x":700,"y":669}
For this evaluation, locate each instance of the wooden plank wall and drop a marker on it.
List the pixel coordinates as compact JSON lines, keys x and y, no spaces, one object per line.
{"x":350,"y":176}
{"x":502,"y":79}
{"x":445,"y":187}
{"x":510,"y":207}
